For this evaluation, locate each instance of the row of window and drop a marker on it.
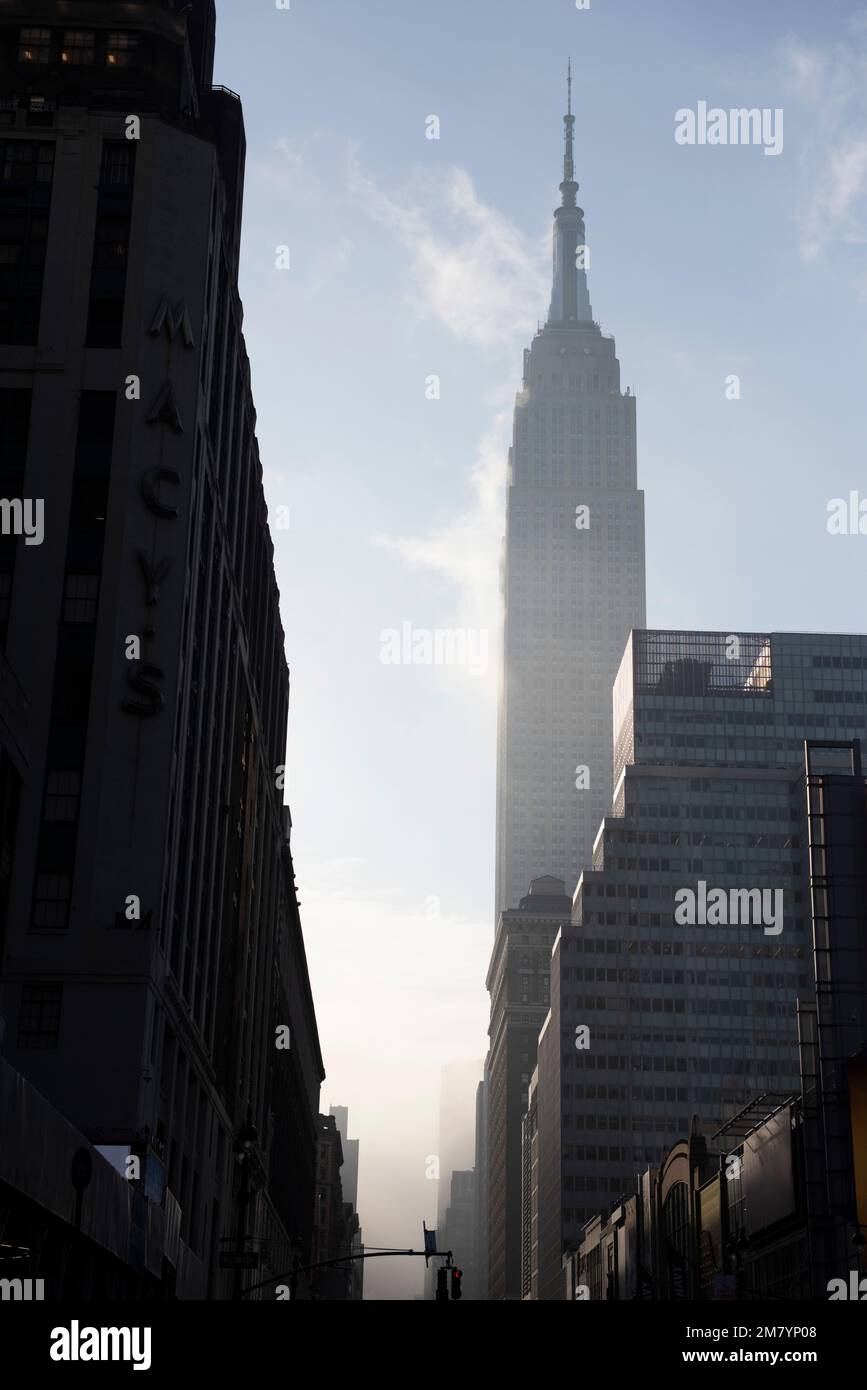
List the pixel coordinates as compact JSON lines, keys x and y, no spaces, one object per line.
{"x":644,"y":1124}
{"x":840,"y":697}
{"x":617,"y":1062}
{"x":26,"y":172}
{"x":708,"y":1006}
{"x":763,"y":979}
{"x":583,"y":1120}
{"x":842,"y":663}
{"x":575,"y":943}
{"x":77,"y":47}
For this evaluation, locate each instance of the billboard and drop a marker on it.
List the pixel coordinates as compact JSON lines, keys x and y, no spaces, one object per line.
{"x":768,"y":1173}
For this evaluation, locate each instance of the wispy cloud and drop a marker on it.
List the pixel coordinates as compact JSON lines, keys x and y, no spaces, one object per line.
{"x":480,"y":277}
{"x":831,"y":81}
{"x":469,"y":266}
{"x":465,"y":550}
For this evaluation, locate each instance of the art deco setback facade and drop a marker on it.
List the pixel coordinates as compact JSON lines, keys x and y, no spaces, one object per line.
{"x":572,"y":575}
{"x":153,"y":942}
{"x":686,"y":1017}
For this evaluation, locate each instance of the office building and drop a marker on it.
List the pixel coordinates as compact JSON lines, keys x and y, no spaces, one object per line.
{"x":480,"y":1168}
{"x":518,"y":983}
{"x":530,"y":1194}
{"x":336,"y":1230}
{"x":349,"y":1171}
{"x":458,"y":1231}
{"x":349,"y":1183}
{"x":674,"y":988}
{"x":834,"y":1030}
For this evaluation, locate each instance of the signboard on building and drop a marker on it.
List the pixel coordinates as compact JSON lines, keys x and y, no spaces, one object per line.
{"x":768,"y":1174}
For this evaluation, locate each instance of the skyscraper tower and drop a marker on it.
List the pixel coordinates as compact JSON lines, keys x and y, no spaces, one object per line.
{"x":573,"y":575}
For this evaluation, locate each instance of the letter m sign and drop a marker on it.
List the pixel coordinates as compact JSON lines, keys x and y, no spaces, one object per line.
{"x":174,"y":321}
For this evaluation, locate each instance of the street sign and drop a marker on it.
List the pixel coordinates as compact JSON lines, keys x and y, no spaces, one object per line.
{"x":239,"y":1259}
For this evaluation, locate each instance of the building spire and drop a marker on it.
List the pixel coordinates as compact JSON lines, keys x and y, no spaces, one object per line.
{"x":570,"y":301}
{"x":569,"y":187}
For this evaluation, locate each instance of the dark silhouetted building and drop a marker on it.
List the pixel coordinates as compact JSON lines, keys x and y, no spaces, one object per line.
{"x":335,"y":1224}
{"x":530,"y":1194}
{"x":480,"y":1168}
{"x":518,"y":983}
{"x":153,"y":943}
{"x":834,"y":1032}
{"x":14,"y":762}
{"x":349,"y":1171}
{"x":458,"y":1231}
{"x":770,"y":1205}
{"x":349,"y":1182}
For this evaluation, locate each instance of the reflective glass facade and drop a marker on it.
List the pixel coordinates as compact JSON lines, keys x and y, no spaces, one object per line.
{"x":690,"y":1017}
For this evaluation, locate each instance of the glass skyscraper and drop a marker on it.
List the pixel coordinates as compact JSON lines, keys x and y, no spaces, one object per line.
{"x":673,"y":991}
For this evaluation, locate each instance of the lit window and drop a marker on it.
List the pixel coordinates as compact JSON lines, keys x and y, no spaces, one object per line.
{"x":121,"y":50}
{"x":34,"y":46}
{"x":51,"y":901}
{"x":77,"y":48}
{"x":80,"y":598}
{"x":39,"y":1019}
{"x":62,"y":789}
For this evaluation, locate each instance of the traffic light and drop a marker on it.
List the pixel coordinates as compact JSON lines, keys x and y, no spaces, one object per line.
{"x":442,"y":1285}
{"x":457,"y":1276}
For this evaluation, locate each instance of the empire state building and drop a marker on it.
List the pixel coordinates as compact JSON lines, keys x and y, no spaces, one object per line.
{"x":573,"y":576}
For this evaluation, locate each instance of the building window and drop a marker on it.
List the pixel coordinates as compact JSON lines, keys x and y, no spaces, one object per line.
{"x":27,"y":162}
{"x":121,"y":50}
{"x":77,"y":48}
{"x":80,"y":598}
{"x":34,"y":46}
{"x":39,"y":112}
{"x":118,"y":160}
{"x":110,"y":245}
{"x":26,"y":168}
{"x":51,"y":903}
{"x":62,"y":790}
{"x":39,"y":1019}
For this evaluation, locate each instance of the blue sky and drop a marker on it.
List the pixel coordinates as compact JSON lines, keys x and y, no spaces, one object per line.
{"x":411,"y":257}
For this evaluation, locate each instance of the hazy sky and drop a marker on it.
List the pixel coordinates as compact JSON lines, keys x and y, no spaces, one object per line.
{"x":411,"y":257}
